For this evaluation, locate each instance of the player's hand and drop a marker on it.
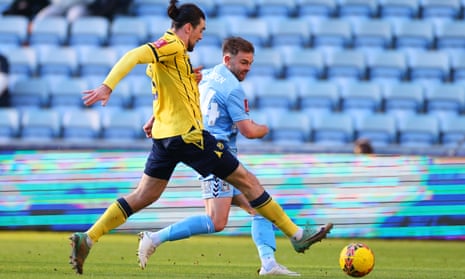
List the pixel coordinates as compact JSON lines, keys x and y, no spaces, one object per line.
{"x":198,"y":73}
{"x":148,"y":127}
{"x":101,"y":93}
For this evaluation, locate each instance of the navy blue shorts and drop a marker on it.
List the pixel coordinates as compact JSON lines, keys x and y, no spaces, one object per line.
{"x":213,"y":158}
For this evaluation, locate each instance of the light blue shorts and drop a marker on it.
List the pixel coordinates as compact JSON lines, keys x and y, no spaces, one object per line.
{"x":214,"y":187}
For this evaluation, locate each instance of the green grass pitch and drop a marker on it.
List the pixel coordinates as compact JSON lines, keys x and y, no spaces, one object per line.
{"x":45,"y":255}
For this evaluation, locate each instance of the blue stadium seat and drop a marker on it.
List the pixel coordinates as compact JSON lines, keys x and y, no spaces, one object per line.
{"x":399,"y":9}
{"x":333,"y":129}
{"x":346,"y":65}
{"x":209,"y":56}
{"x":59,"y":61}
{"x":445,"y":99}
{"x":89,"y":30}
{"x":418,"y":130}
{"x":33,"y":92}
{"x":81,"y":125}
{"x":316,"y":8}
{"x":379,"y":128}
{"x":282,"y":8}
{"x":123,"y":125}
{"x":304,"y":64}
{"x":331,"y":34}
{"x":402,"y":99}
{"x":216,"y":31}
{"x":387,"y":66}
{"x":290,"y":128}
{"x":248,"y":86}
{"x":414,"y":35}
{"x":452,"y":129}
{"x":40,"y":124}
{"x":4,"y":5}
{"x":13,"y":30}
{"x":208,"y":6}
{"x":372,"y":35}
{"x":277,"y":94}
{"x":141,"y":93}
{"x":457,"y":60}
{"x":194,"y":58}
{"x":122,"y":95}
{"x":149,"y":7}
{"x":358,"y":8}
{"x":97,"y":61}
{"x":156,"y":25}
{"x":235,"y":8}
{"x":67,"y":93}
{"x":429,"y":67}
{"x":9,"y":123}
{"x":254,"y":30}
{"x":450,"y":36}
{"x":268,"y":62}
{"x":130,"y":31}
{"x":318,"y":96}
{"x":359,"y":99}
{"x":440,"y":10}
{"x":49,"y":31}
{"x":290,"y":32}
{"x":23,"y":61}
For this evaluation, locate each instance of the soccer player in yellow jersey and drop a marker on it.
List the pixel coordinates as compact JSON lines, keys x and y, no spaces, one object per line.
{"x":178,"y":136}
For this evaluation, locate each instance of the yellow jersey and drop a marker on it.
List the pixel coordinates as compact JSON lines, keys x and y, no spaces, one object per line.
{"x":176,"y":101}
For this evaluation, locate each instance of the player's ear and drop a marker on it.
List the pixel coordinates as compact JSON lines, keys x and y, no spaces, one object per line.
{"x":226,"y":59}
{"x":187,"y":28}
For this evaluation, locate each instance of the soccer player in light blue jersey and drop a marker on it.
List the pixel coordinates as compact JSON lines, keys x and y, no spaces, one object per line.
{"x":225,"y":114}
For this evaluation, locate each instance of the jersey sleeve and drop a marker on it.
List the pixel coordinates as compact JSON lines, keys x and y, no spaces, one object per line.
{"x":139,"y":55}
{"x":237,"y":105}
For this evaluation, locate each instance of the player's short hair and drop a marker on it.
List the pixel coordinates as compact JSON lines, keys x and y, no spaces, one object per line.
{"x":185,"y":13}
{"x":233,"y":45}
{"x":363,"y":146}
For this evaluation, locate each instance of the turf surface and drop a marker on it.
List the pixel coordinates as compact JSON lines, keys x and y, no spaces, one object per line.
{"x":45,"y":255}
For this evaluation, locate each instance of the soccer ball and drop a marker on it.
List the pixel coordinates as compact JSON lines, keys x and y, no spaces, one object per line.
{"x":356,"y":260}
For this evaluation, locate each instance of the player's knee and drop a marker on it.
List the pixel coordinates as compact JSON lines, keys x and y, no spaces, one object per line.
{"x":219,"y":225}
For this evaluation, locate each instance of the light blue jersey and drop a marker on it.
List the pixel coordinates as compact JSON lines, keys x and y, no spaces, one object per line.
{"x":223,"y":102}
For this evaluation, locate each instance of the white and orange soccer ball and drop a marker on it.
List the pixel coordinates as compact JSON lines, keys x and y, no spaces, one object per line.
{"x":356,"y":260}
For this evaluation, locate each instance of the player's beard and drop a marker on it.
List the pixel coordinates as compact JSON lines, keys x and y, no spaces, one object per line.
{"x":190,"y":46}
{"x":240,"y":75}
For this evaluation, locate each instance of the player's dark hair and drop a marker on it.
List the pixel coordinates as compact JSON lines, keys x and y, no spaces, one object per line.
{"x":186,"y":13}
{"x":363,"y":146}
{"x":233,"y":45}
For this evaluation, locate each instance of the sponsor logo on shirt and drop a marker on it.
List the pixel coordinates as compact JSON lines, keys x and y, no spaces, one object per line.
{"x":160,"y":42}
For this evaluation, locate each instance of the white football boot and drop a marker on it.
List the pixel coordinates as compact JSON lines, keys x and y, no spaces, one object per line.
{"x":146,"y":249}
{"x":277,"y":270}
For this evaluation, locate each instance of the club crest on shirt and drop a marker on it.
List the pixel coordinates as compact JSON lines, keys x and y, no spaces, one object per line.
{"x":160,"y":42}
{"x":246,"y":105}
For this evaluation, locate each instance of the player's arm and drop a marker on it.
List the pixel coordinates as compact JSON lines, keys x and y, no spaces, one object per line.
{"x":238,"y":107}
{"x":148,"y":127}
{"x":251,"y":130}
{"x":139,"y":55}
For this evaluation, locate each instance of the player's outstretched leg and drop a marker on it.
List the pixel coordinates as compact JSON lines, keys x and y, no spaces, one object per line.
{"x":310,"y":237}
{"x":80,"y":250}
{"x":193,"y":225}
{"x":264,"y":238}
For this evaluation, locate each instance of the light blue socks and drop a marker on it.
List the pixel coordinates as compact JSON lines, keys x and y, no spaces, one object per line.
{"x":265,"y":240}
{"x":194,"y":225}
